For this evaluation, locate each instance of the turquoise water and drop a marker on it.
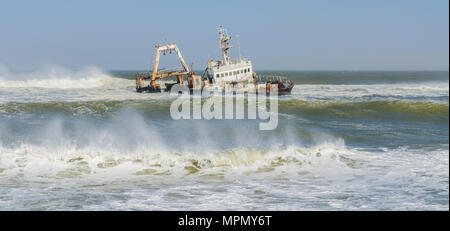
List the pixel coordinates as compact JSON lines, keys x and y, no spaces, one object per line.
{"x":83,"y":139}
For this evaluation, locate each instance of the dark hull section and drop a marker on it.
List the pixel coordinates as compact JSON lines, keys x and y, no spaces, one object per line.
{"x":282,"y":90}
{"x":148,"y":89}
{"x":284,"y":87}
{"x":285,"y":90}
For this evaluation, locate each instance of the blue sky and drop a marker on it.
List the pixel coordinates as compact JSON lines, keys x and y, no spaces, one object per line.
{"x":281,"y":35}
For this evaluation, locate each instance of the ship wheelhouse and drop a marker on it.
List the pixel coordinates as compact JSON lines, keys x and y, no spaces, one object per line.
{"x":241,"y":71}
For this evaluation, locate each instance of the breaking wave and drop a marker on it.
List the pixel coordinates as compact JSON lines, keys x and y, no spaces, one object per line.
{"x":130,"y":145}
{"x":329,"y":163}
{"x":54,"y":78}
{"x":69,"y":162}
{"x":111,"y":148}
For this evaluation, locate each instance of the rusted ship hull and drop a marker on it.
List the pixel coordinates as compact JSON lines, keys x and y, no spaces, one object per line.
{"x":218,"y":76}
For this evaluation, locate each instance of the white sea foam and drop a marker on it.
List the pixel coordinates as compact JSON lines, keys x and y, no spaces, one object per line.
{"x":370,"y":92}
{"x":128,"y":163}
{"x":132,"y":162}
{"x":91,"y":83}
{"x":326,"y":176}
{"x":55,"y":78}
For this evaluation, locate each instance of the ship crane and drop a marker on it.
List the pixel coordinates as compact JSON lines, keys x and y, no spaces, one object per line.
{"x":155,"y":74}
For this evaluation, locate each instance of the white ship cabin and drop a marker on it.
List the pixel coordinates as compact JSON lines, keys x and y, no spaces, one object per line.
{"x":240,"y":71}
{"x":226,"y":70}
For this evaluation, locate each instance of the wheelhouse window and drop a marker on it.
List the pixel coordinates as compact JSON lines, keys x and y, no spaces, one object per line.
{"x":217,"y":76}
{"x":245,"y":70}
{"x":221,"y":75}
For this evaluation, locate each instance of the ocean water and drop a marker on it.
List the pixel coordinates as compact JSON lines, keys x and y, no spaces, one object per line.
{"x":85,"y":140}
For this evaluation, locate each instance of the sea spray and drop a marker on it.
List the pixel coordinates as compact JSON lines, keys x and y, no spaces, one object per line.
{"x":374,"y":145}
{"x":54,"y":77}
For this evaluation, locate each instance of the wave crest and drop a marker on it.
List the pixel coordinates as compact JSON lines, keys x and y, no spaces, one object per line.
{"x":54,"y":77}
{"x":71,"y":162}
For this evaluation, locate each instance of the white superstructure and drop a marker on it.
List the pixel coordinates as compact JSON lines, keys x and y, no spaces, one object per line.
{"x":228,"y":71}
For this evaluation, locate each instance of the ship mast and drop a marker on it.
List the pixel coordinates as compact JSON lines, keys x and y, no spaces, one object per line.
{"x":224,"y":44}
{"x":239,"y":48}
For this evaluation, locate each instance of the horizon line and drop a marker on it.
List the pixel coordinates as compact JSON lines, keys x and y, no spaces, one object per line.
{"x":312,"y":70}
